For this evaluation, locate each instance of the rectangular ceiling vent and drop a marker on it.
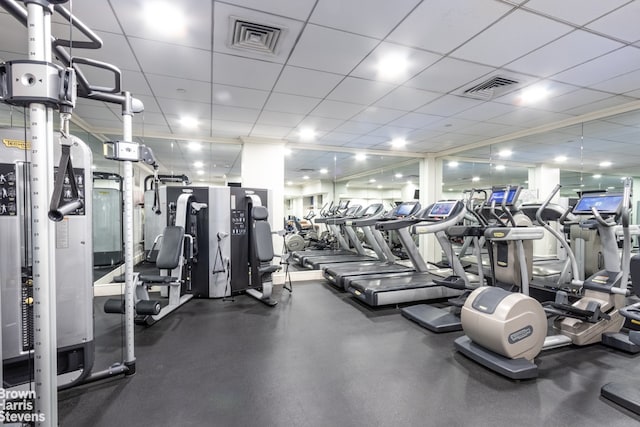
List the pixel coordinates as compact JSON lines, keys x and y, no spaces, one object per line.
{"x":255,"y":37}
{"x":489,"y":89}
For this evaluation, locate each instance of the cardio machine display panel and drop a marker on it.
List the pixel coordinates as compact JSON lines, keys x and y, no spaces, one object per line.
{"x":498,"y":195}
{"x":608,"y":204}
{"x":441,"y":209}
{"x":405,"y":209}
{"x":372,"y":209}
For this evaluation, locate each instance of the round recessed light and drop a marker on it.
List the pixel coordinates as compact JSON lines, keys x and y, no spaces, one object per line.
{"x":398,"y":142}
{"x":200,"y":172}
{"x":198,"y":164}
{"x":505,"y":153}
{"x":305,"y":177}
{"x":475,"y":179}
{"x":500,"y":167}
{"x":372,"y":180}
{"x":379,"y":187}
{"x":324,"y":171}
{"x":289,"y":182}
{"x":194,"y":146}
{"x":189,"y":122}
{"x":398,"y":175}
{"x":560,"y":159}
{"x":392,"y":66}
{"x":453,"y":164}
{"x":597,"y":176}
{"x":361,"y":156}
{"x":605,"y":164}
{"x":307,"y":134}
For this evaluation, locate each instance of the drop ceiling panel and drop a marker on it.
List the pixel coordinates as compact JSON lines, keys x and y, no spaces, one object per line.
{"x":448,"y":75}
{"x":238,"y":96}
{"x":149,"y":118}
{"x":449,"y":105}
{"x":291,"y":103}
{"x":221,"y":125}
{"x":442,"y":25}
{"x":577,"y":12}
{"x":295,"y":80}
{"x":574,"y":99}
{"x":378,"y":115}
{"x":599,"y":105}
{"x":337,"y":137}
{"x":223,"y":21}
{"x":621,"y":84}
{"x":299,"y":9}
{"x":318,"y":49}
{"x":622,"y":23}
{"x":198,"y":110}
{"x":390,"y":132}
{"x":494,"y":47}
{"x":406,"y":98}
{"x":610,"y":65}
{"x":366,"y":141}
{"x":485,"y":111}
{"x":180,"y":89}
{"x":381,"y":15}
{"x":337,"y":109}
{"x":416,"y":60}
{"x":94,"y":110}
{"x":571,"y":50}
{"x":270,"y":131}
{"x":415,"y":120}
{"x":176,"y":61}
{"x":96,"y":14}
{"x":135,"y":21}
{"x":357,"y":127}
{"x":150,"y":103}
{"x":529,"y":116}
{"x":279,"y":119}
{"x":244,"y":72}
{"x":324,"y":124}
{"x":236,"y":114}
{"x":360,"y":91}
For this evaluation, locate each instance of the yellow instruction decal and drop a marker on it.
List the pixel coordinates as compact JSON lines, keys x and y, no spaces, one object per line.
{"x":17,"y":143}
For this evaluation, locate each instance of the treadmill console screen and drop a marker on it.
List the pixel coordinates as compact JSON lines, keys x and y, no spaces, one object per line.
{"x":372,"y":209}
{"x":344,"y":204}
{"x":405,"y":209}
{"x":441,"y":209}
{"x":608,"y":204}
{"x":498,"y":194}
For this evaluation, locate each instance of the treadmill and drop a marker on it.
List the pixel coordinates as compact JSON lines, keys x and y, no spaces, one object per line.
{"x":398,"y":221}
{"x":418,"y":285}
{"x":371,"y":214}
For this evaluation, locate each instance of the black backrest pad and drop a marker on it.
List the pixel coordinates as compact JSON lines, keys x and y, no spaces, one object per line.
{"x":262,"y":234}
{"x":170,"y":248}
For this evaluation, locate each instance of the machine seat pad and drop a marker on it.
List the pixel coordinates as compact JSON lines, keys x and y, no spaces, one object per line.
{"x":148,"y":278}
{"x":269,"y":269}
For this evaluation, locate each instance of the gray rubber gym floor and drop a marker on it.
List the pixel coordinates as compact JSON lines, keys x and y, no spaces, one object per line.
{"x":320,"y":358}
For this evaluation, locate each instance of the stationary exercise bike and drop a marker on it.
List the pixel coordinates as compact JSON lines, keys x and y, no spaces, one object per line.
{"x":505,"y":331}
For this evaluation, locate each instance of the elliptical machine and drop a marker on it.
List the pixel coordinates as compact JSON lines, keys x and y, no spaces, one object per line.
{"x":505,"y":331}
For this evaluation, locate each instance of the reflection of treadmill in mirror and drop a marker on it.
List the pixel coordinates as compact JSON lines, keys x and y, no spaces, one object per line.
{"x":346,"y":224}
{"x":333,"y":268}
{"x":377,"y":287}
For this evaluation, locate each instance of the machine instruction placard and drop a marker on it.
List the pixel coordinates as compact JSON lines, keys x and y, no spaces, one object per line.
{"x":8,"y":189}
{"x":238,"y":222}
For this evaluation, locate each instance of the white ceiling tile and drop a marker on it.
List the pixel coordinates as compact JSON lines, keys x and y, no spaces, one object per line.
{"x":568,"y":51}
{"x":337,"y":137}
{"x":485,"y":111}
{"x":622,"y":23}
{"x":442,"y":25}
{"x":198,"y":110}
{"x":366,"y":141}
{"x":225,"y":13}
{"x":360,"y":91}
{"x":149,"y":118}
{"x":186,"y":62}
{"x":494,"y":47}
{"x":575,"y":11}
{"x":337,"y":109}
{"x":416,"y":60}
{"x":600,"y":105}
{"x":448,"y":105}
{"x":573,"y":99}
{"x":447,"y":75}
{"x":182,"y":89}
{"x":381,"y":15}
{"x":270,"y":131}
{"x":279,"y":119}
{"x":610,"y":65}
{"x":391,"y":131}
{"x":514,"y":97}
{"x":378,"y":115}
{"x":406,"y":98}
{"x":529,"y":116}
{"x":133,"y":17}
{"x":244,"y":72}
{"x":294,"y":80}
{"x":318,"y":49}
{"x":322,"y":124}
{"x":239,"y":96}
{"x":490,"y":130}
{"x":229,"y":126}
{"x":449,"y":124}
{"x":236,"y":114}
{"x":150,"y":103}
{"x":299,"y":9}
{"x":290,"y":103}
{"x":415,"y":120}
{"x":621,"y":84}
{"x":357,"y":127}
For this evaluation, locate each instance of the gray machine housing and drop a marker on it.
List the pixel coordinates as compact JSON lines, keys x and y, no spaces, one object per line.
{"x":74,"y":272}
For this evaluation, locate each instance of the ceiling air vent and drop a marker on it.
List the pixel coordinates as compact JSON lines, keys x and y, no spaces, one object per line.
{"x":491,"y":88}
{"x":253,"y":36}
{"x":306,"y":170}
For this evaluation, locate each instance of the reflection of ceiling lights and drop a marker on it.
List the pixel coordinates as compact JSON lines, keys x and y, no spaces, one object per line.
{"x":534,"y":94}
{"x":392,"y":66}
{"x":194,"y":146}
{"x":379,"y":187}
{"x":409,"y":182}
{"x":398,"y":175}
{"x":597,"y":176}
{"x":165,"y":18}
{"x":475,"y":179}
{"x":372,"y":180}
{"x":289,"y":182}
{"x":453,"y":164}
{"x":361,"y":156}
{"x":198,"y":164}
{"x":560,"y":159}
{"x":398,"y":142}
{"x":305,"y":177}
{"x":200,"y":172}
{"x":450,"y":189}
{"x":307,"y":134}
{"x":605,"y":164}
{"x":287,"y":151}
{"x":189,"y":122}
{"x":610,"y":188}
{"x":505,"y":153}
{"x":324,"y":171}
{"x":500,"y":167}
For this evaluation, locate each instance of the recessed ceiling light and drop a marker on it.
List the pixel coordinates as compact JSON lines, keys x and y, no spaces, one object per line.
{"x":201,"y":180}
{"x":610,"y":188}
{"x":505,"y":153}
{"x":560,"y":159}
{"x":379,"y":186}
{"x":398,"y":175}
{"x":194,"y":146}
{"x":392,"y":66}
{"x":287,"y":151}
{"x":307,"y":134}
{"x":398,"y":142}
{"x":534,"y":94}
{"x":324,"y":171}
{"x":450,"y":189}
{"x":289,"y":182}
{"x":164,"y":17}
{"x":198,"y":164}
{"x":189,"y":122}
{"x":372,"y":180}
{"x":361,"y":156}
{"x":200,"y":172}
{"x":305,"y":177}
{"x":475,"y":179}
{"x":597,"y":176}
{"x":500,"y":167}
{"x":605,"y":164}
{"x":409,"y":182}
{"x":453,"y":164}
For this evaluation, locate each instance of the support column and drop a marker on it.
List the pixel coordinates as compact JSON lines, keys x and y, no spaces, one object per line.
{"x":408,"y":191}
{"x":543,"y":179}
{"x":430,"y":192}
{"x":262,"y":166}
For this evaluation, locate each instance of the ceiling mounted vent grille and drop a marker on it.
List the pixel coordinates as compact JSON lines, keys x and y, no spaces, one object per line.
{"x":306,"y":170}
{"x":491,"y":88}
{"x":255,"y":37}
